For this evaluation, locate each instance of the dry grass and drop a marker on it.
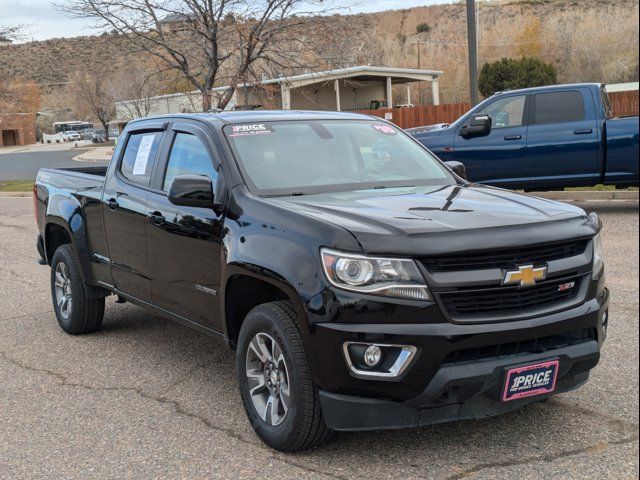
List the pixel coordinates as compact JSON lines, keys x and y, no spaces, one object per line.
{"x":586,"y":40}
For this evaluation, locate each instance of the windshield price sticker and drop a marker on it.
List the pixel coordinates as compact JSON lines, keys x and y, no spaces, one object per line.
{"x":250,"y":129}
{"x":142,"y":157}
{"x":386,"y":129}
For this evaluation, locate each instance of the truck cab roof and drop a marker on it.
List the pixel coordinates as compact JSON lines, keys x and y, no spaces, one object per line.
{"x":550,"y":87}
{"x":242,"y":116}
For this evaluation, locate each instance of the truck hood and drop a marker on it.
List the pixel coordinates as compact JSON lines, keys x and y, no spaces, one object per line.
{"x":432,"y":220}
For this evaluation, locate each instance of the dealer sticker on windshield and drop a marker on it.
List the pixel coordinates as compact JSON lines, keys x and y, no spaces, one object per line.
{"x":250,"y":129}
{"x":386,"y":129}
{"x":530,"y":380}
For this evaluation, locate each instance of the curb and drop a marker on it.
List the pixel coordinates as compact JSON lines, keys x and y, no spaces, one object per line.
{"x":79,"y":158}
{"x":15,"y":194}
{"x":17,"y":150}
{"x":87,"y":156}
{"x":584,"y":195}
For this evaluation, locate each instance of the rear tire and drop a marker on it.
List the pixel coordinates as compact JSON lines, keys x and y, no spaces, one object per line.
{"x":76,"y":313}
{"x":299,"y":425}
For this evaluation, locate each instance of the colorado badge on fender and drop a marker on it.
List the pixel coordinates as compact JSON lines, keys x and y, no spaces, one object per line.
{"x":530,"y":380}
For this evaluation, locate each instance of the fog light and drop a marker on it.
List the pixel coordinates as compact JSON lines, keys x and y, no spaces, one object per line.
{"x":605,"y":324}
{"x":372,"y":356}
{"x":379,"y":361}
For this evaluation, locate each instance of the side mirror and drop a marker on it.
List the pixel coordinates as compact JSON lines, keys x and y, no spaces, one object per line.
{"x":192,"y":191}
{"x":458,"y":168}
{"x":478,"y":126}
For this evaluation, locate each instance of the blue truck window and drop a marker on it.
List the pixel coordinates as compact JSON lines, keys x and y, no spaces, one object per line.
{"x":557,"y":107}
{"x":506,"y":112}
{"x":188,"y":157}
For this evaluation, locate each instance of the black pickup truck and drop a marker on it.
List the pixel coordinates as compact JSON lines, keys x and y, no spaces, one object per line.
{"x":362,"y":283}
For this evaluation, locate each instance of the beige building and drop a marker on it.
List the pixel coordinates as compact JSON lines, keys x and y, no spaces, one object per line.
{"x":354,"y":88}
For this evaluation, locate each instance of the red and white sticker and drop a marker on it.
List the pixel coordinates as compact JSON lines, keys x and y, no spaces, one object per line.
{"x":386,"y":129}
{"x":250,"y":129}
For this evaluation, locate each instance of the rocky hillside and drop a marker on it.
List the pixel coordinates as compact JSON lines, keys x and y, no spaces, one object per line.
{"x":579,"y":37}
{"x":50,"y":62}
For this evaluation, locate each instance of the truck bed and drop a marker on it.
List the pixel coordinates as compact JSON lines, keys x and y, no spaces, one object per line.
{"x":71,"y":179}
{"x":621,"y":151}
{"x":93,"y":171}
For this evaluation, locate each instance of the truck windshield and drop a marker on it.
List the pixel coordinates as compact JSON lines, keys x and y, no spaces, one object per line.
{"x":306,"y":157}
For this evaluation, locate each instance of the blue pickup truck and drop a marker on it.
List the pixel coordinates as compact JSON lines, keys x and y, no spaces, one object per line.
{"x":541,"y":138}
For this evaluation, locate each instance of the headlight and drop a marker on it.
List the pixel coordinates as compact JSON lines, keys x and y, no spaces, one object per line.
{"x":598,"y":259}
{"x":390,"y":277}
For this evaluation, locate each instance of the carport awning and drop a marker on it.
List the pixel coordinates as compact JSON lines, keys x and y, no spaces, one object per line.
{"x":362,"y":72}
{"x":389,"y":75}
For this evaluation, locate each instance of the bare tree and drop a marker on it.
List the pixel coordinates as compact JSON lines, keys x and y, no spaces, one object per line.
{"x":213,"y":42}
{"x":91,"y":93}
{"x":134,"y":89}
{"x":13,"y":31}
{"x":7,"y":92}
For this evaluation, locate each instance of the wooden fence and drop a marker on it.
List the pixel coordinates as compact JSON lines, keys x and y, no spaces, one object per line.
{"x":624,"y":104}
{"x":420,"y":115}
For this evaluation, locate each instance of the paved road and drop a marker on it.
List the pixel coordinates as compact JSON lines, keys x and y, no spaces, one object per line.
{"x":146,"y":398}
{"x":25,"y":166}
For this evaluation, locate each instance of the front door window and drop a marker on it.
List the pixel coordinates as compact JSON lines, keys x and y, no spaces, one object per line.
{"x":506,"y":112}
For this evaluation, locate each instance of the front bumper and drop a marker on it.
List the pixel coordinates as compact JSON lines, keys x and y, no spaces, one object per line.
{"x":443,"y":382}
{"x":456,"y":392}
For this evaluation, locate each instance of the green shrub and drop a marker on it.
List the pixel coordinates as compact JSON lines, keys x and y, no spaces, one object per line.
{"x":512,"y":73}
{"x":423,"y":28}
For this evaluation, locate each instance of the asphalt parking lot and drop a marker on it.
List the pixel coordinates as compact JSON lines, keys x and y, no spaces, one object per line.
{"x":146,"y":398}
{"x":19,"y":165}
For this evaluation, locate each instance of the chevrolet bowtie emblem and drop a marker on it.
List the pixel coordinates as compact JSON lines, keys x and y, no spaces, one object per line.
{"x":526,"y":276}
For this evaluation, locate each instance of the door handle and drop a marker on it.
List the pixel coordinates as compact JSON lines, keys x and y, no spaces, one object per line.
{"x":583,"y":131}
{"x":113,"y":204}
{"x":156,"y":218}
{"x":513,"y":137}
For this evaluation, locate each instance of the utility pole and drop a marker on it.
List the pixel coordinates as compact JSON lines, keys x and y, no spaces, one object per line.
{"x":472,"y":47}
{"x":418,"y":44}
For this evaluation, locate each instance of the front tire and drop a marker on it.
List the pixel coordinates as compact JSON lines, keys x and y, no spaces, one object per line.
{"x":76,"y":313}
{"x":279,"y":397}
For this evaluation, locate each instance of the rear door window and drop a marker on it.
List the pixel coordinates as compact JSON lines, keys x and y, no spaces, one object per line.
{"x":558,"y":107}
{"x":139,"y":156}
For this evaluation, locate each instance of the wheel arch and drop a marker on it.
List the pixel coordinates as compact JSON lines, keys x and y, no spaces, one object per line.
{"x":55,"y":235}
{"x":59,"y":232}
{"x":246,"y":288}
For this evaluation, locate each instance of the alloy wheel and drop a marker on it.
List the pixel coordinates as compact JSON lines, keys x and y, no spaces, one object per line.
{"x":63,"y":290}
{"x":268,"y":379}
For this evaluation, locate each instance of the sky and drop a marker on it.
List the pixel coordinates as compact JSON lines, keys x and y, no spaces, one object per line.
{"x":44,"y":21}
